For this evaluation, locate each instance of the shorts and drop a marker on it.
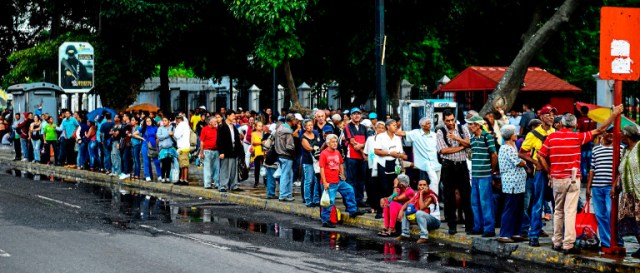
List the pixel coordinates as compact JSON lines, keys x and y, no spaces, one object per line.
{"x":183,"y":159}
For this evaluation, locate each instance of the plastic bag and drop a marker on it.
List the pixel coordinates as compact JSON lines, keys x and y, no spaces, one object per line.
{"x":325,"y":201}
{"x":263,"y":171}
{"x":278,"y":173}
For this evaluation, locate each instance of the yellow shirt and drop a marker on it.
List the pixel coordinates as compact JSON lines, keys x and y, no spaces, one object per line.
{"x":531,"y":142}
{"x":194,"y":121}
{"x":256,"y":141}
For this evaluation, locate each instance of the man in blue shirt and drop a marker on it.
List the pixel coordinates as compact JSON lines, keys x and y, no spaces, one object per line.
{"x":425,"y":153}
{"x":69,"y":125}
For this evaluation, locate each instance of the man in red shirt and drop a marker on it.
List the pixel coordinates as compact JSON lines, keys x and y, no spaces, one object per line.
{"x":332,"y":177}
{"x":562,"y":150}
{"x":209,"y":153}
{"x":356,"y":135}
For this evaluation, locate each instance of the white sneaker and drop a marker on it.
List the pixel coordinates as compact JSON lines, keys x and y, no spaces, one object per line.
{"x":24,"y":159}
{"x":123,"y":176}
{"x":297,"y":183}
{"x":148,"y":179}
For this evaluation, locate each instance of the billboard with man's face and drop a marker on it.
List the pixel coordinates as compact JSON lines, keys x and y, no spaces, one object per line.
{"x":76,"y":67}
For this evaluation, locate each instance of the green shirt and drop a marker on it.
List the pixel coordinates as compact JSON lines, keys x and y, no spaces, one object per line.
{"x":481,"y":149}
{"x":50,"y":133}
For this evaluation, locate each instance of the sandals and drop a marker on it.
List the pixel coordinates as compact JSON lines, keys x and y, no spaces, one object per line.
{"x":384,"y":233}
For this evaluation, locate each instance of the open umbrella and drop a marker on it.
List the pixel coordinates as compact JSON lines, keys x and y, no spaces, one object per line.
{"x":600,"y":113}
{"x":148,"y":107}
{"x":98,"y":112}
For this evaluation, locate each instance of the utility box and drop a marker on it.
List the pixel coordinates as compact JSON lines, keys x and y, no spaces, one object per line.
{"x":37,"y":97}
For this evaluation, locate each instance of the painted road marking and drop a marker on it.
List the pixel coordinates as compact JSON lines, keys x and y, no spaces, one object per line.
{"x":197,"y":240}
{"x":4,"y":253}
{"x":58,"y":201}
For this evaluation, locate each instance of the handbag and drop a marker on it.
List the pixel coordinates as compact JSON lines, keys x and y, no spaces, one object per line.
{"x":588,"y":240}
{"x":243,"y":171}
{"x":152,"y":152}
{"x":586,"y":219}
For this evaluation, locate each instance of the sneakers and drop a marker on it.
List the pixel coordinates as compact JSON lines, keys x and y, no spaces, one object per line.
{"x":572,"y":250}
{"x":533,"y":242}
{"x":287,"y":199}
{"x":557,"y":248}
{"x":297,"y":183}
{"x":422,"y":241}
{"x":123,"y":176}
{"x":148,"y":179}
{"x":328,"y":225}
{"x":543,"y":234}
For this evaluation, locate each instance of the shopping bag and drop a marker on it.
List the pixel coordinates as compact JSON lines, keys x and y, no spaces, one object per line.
{"x":587,"y":239}
{"x":277,"y":173}
{"x":263,"y":171}
{"x":586,"y":219}
{"x":325,"y":201}
{"x":243,"y":170}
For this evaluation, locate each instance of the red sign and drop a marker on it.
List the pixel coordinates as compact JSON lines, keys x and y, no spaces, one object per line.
{"x":619,"y":43}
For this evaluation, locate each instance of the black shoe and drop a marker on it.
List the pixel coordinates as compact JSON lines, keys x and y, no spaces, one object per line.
{"x":237,"y":189}
{"x":543,"y":234}
{"x":379,"y":215}
{"x":357,"y":213}
{"x":272,"y":197}
{"x":328,"y":225}
{"x":557,"y":248}
{"x":362,"y":204}
{"x":223,"y":190}
{"x":572,"y":250}
{"x":208,"y":188}
{"x":534,"y":242}
{"x":636,"y":254}
{"x":488,"y":234}
{"x":525,"y":235}
{"x":452,"y":231}
{"x":474,"y":232}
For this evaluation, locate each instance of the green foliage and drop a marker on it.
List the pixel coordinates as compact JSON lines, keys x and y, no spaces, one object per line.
{"x":179,"y":71}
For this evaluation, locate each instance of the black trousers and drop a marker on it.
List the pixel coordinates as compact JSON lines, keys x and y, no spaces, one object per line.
{"x":455,"y":176}
{"x":257,"y":164}
{"x":17,"y":147}
{"x":46,"y":156}
{"x":166,"y":167}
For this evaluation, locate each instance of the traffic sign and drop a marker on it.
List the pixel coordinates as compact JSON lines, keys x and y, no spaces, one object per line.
{"x":619,"y":43}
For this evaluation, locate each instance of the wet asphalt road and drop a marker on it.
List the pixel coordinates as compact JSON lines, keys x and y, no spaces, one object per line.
{"x":48,"y":225}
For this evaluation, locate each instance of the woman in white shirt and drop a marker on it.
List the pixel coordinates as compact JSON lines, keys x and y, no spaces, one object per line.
{"x":388,"y":148}
{"x":373,"y":186}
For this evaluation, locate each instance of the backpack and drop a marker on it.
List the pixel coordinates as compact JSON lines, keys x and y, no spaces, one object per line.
{"x":271,"y":157}
{"x":193,"y":141}
{"x":446,"y":139}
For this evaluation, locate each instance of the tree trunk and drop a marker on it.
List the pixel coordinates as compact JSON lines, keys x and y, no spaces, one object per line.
{"x":507,"y":89}
{"x":395,"y":97}
{"x":165,"y":93}
{"x":293,"y":91}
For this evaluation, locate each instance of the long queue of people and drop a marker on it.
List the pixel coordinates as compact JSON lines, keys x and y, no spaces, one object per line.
{"x":489,"y":172}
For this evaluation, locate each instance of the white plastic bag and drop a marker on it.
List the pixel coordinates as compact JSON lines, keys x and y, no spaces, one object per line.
{"x":325,"y":201}
{"x":316,"y":165}
{"x":263,"y":171}
{"x":277,"y":173}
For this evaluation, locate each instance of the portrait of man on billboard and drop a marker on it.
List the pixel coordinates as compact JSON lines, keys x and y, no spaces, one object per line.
{"x":74,"y":73}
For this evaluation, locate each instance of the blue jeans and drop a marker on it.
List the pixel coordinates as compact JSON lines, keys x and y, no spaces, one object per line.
{"x":126,"y":160}
{"x":356,"y":176}
{"x":94,"y":157}
{"x":424,"y":220}
{"x":482,"y":205}
{"x":347,"y":196}
{"x":602,"y":209}
{"x":147,"y":162}
{"x":311,"y":194}
{"x":511,"y":224}
{"x":61,"y":151}
{"x":83,"y":154}
{"x":286,"y":179}
{"x":24,"y":144}
{"x":211,"y":170}
{"x":135,"y":153}
{"x":271,"y":182}
{"x":116,"y":161}
{"x":106,"y":153}
{"x":537,"y":198}
{"x":36,"y":149}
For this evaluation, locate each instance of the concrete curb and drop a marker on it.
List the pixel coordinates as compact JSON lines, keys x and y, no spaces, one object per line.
{"x":541,"y":255}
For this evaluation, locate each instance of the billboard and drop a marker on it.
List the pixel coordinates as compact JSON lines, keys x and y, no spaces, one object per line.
{"x":76,"y":72}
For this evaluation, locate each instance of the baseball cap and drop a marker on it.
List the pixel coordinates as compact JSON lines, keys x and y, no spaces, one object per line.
{"x":534,"y":122}
{"x":373,"y":115}
{"x":366,"y":123}
{"x":327,"y":129}
{"x":355,"y":109}
{"x":298,"y":116}
{"x":475,"y":119}
{"x":547,"y":109}
{"x":202,"y":107}
{"x":411,"y":209}
{"x":345,"y":112}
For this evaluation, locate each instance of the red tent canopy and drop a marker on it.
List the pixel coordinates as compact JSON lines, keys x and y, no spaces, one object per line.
{"x":486,"y":78}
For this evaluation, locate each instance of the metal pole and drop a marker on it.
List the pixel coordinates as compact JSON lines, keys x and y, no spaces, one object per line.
{"x":381,"y":76}
{"x":617,"y":100}
{"x":274,"y":93}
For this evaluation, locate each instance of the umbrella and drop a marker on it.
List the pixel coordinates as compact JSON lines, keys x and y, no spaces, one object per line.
{"x":98,"y":112}
{"x":148,"y":107}
{"x":600,"y":113}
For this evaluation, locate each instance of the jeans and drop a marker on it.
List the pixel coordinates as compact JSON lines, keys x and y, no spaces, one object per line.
{"x":135,"y":153}
{"x":36,"y":149}
{"x":61,"y":151}
{"x":483,"y":205}
{"x":286,"y":179}
{"x":94,"y":157}
{"x":116,"y":162}
{"x":424,"y":220}
{"x":24,"y":144}
{"x":511,"y":223}
{"x":537,"y":198}
{"x":271,"y":183}
{"x":347,"y":196}
{"x":147,"y":162}
{"x":82,"y":154}
{"x":106,"y":153}
{"x":229,"y":173}
{"x":355,"y":177}
{"x":211,"y":168}
{"x":311,"y":194}
{"x":126,"y":160}
{"x":602,"y":209}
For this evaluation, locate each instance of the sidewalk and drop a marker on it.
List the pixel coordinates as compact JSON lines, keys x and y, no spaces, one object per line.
{"x":256,"y":197}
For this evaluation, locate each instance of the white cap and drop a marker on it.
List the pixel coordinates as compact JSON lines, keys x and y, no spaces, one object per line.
{"x":366,"y":123}
{"x":345,"y":112}
{"x":336,"y":117}
{"x":203,"y":108}
{"x":298,"y":116}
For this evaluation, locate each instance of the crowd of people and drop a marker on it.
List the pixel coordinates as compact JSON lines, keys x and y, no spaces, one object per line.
{"x":486,"y":171}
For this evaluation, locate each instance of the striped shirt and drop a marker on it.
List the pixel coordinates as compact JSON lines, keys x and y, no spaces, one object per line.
{"x":562,"y":148}
{"x":460,"y":156}
{"x":481,"y":151}
{"x":602,"y":165}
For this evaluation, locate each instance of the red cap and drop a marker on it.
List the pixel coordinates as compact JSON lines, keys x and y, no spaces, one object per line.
{"x":547,"y":109}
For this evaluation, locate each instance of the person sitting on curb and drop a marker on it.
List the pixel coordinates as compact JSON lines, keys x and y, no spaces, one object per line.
{"x":392,"y":205}
{"x":333,"y":179}
{"x":427,"y":213}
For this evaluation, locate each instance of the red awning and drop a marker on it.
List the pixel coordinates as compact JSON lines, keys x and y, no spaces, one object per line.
{"x":486,"y":78}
